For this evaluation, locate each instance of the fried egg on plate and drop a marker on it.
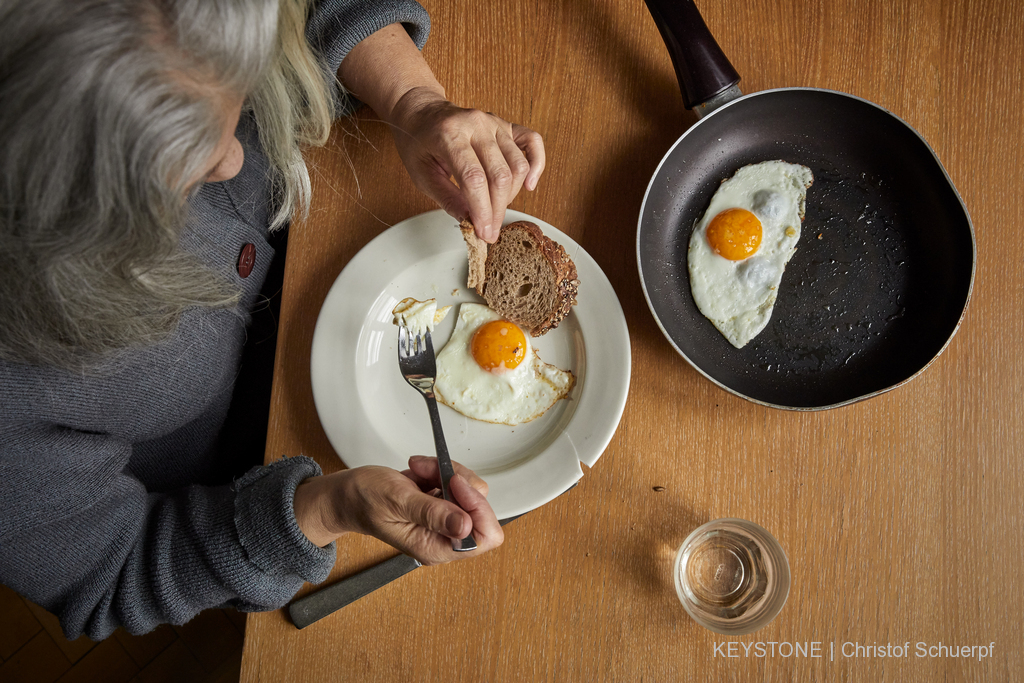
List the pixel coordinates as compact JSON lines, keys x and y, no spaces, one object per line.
{"x":489,"y":371}
{"x":740,"y":247}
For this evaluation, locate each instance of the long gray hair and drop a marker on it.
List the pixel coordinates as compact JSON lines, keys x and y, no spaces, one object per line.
{"x":109,"y":112}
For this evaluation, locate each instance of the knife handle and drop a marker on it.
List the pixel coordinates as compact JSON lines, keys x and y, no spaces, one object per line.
{"x":321,"y":603}
{"x":326,"y":601}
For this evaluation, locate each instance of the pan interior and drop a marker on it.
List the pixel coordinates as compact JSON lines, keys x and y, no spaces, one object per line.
{"x":882,"y":271}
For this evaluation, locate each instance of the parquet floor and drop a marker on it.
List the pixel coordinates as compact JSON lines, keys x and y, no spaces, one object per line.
{"x":207,"y":649}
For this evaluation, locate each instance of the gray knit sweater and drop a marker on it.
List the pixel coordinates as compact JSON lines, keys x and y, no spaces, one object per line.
{"x":107,"y":515}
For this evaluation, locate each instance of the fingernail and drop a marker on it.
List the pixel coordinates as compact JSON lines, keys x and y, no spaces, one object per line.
{"x":454,"y":524}
{"x":417,"y":458}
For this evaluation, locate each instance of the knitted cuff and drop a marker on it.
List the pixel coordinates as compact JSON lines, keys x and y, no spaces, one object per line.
{"x":334,"y":28}
{"x":265,"y":520}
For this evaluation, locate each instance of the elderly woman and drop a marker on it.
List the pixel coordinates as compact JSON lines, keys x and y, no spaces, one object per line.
{"x":146,"y":146}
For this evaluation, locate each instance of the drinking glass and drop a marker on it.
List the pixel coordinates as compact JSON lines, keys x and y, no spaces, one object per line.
{"x":732,"y":576}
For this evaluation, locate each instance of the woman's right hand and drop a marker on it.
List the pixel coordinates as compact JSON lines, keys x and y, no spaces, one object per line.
{"x":400,"y":508}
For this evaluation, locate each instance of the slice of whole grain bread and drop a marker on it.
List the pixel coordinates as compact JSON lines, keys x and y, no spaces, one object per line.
{"x":528,"y":278}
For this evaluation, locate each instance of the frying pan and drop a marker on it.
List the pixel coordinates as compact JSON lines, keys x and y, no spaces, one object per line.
{"x":885,"y":263}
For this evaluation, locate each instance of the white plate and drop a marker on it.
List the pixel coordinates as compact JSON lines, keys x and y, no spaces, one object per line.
{"x":372,"y":417}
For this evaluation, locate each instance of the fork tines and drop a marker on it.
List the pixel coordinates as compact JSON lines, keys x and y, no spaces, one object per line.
{"x":412,"y":345}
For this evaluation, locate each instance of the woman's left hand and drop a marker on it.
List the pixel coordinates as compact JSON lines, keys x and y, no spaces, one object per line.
{"x":489,"y":158}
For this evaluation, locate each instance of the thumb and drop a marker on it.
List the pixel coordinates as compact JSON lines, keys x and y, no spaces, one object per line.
{"x":438,"y":515}
{"x":486,"y":528}
{"x":436,"y":183}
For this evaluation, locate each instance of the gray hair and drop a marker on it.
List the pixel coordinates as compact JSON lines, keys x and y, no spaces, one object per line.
{"x":109,"y":113}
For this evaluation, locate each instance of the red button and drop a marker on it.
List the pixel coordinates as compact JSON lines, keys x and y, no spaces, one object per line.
{"x":246,"y":260}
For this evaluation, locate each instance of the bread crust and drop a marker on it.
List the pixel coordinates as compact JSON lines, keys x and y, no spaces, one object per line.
{"x":477,"y":254}
{"x":566,"y":276}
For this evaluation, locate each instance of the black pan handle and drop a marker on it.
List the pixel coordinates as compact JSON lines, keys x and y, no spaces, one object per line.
{"x":702,"y":68}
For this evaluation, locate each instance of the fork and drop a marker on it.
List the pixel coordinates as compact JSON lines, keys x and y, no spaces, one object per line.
{"x":418,"y":366}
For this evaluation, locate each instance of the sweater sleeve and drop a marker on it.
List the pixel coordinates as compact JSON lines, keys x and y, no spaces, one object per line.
{"x":86,"y":541}
{"x":336,"y":26}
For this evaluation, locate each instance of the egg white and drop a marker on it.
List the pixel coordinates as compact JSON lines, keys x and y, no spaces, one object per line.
{"x":419,"y":317}
{"x":512,"y":397}
{"x":738,"y":296}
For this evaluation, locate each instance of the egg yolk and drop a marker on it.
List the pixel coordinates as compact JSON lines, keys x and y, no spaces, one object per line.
{"x":734,"y":234}
{"x":498,"y":346}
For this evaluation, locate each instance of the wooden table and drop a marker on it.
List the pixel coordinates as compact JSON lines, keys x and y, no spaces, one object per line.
{"x":901,"y":515}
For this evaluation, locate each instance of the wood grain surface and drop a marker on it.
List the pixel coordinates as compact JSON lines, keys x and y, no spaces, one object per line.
{"x":901,"y":515}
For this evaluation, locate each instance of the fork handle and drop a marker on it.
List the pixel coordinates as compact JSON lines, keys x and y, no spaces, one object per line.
{"x":444,"y":463}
